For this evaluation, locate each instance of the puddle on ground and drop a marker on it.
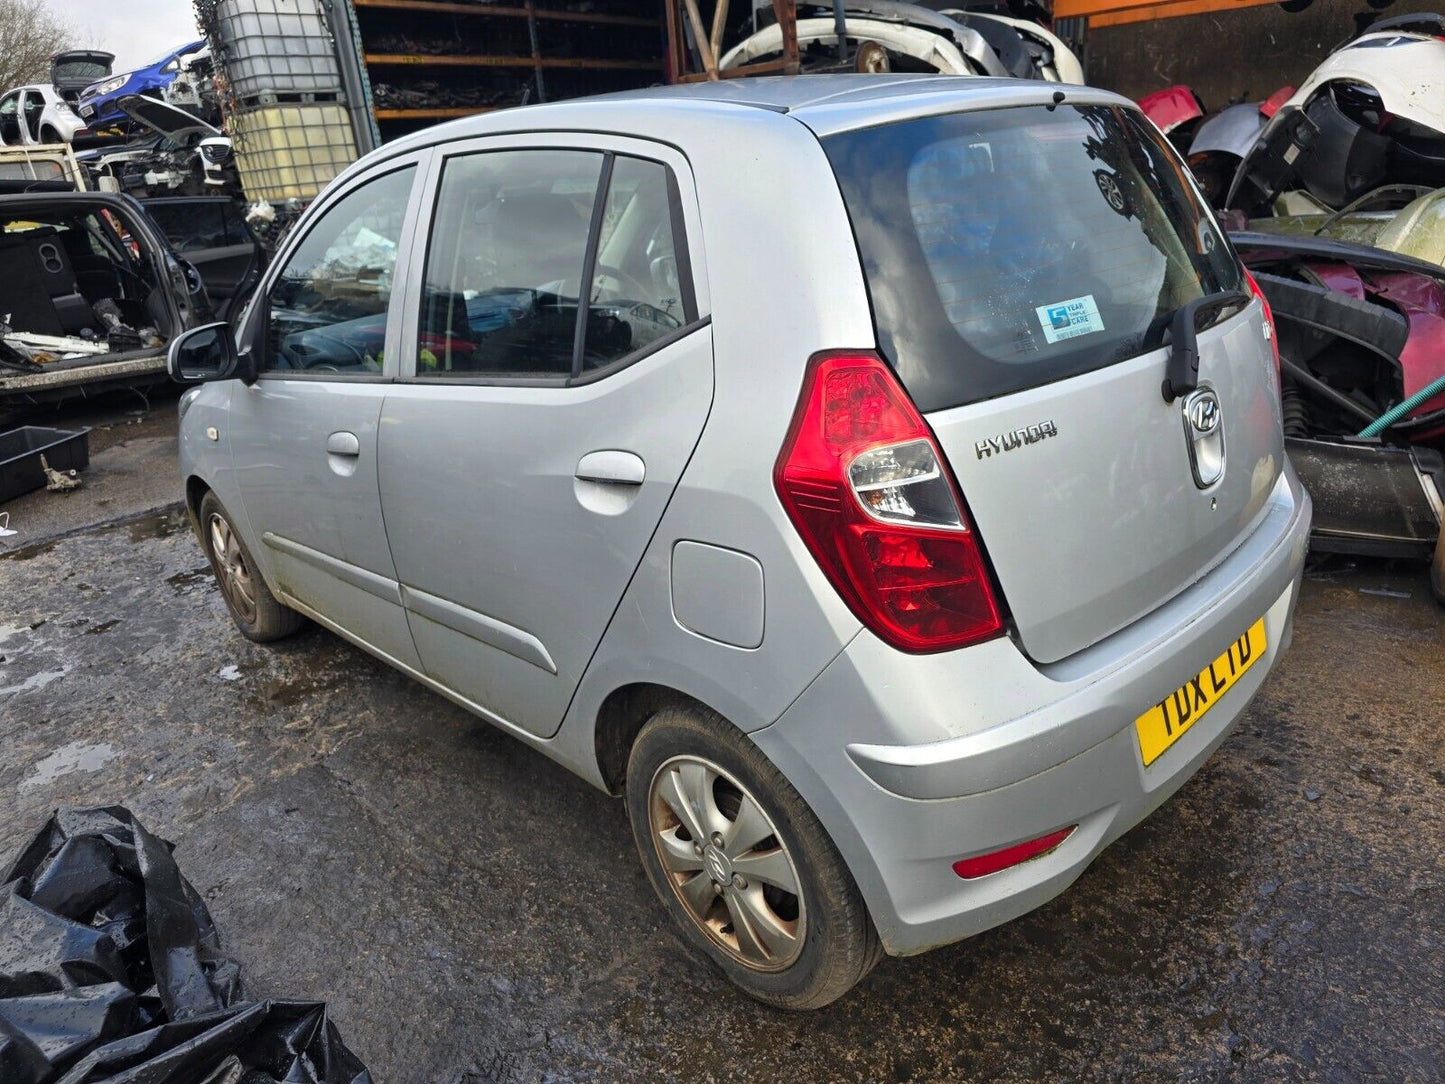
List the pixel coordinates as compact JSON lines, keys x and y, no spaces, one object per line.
{"x":26,"y":553}
{"x":291,"y":690}
{"x":182,"y":582}
{"x":160,"y":525}
{"x":33,"y":682}
{"x":150,"y":527}
{"x":76,"y":756}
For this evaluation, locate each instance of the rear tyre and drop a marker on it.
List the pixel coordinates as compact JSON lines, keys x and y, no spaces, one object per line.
{"x":253,"y":608}
{"x":742,"y":864}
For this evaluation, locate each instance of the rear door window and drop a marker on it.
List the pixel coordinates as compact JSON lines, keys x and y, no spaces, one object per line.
{"x":507,"y":256}
{"x":1009,"y":248}
{"x":524,"y":238}
{"x":637,"y":294}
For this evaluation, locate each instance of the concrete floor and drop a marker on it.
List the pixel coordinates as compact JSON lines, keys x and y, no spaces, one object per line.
{"x":475,"y":914}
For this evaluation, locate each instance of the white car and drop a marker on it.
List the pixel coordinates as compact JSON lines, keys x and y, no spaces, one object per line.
{"x":36,"y":115}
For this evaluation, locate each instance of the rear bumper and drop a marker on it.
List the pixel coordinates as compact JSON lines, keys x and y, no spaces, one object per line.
{"x":912,"y":762}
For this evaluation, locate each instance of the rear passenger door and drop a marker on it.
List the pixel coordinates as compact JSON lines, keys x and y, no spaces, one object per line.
{"x":532,"y":442}
{"x":32,"y":106}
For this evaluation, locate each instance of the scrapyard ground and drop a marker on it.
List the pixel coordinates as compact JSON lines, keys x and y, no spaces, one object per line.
{"x":474,"y":913}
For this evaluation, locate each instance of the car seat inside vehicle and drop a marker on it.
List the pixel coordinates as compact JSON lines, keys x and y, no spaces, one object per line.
{"x":74,"y":275}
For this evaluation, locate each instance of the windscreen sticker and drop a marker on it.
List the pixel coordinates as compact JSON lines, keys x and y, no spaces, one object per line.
{"x":1070,"y":319}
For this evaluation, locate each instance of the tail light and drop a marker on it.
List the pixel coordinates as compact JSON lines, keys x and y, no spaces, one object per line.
{"x":1269,"y":328}
{"x":865,"y":484}
{"x":1270,"y":106}
{"x":984,"y":864}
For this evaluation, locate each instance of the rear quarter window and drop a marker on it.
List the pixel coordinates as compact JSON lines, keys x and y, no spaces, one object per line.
{"x":1010,"y":248}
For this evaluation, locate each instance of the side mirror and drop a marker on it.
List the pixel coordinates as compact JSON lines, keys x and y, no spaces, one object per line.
{"x":204,"y":354}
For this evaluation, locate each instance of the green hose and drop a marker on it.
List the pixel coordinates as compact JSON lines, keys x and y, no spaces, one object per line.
{"x":1394,"y":414}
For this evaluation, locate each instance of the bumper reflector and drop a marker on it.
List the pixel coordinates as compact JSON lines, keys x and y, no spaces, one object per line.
{"x":982,"y":865}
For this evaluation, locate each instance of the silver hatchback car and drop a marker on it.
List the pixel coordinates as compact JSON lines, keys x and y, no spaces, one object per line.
{"x":904,"y":515}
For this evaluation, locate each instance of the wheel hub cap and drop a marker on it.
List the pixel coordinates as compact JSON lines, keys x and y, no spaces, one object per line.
{"x":726,"y":863}
{"x":717,"y":865}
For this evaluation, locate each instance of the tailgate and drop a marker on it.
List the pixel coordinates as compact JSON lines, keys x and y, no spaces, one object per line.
{"x":1024,"y":266}
{"x":1094,"y":527}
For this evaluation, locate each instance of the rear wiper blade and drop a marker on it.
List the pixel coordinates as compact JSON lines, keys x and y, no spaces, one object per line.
{"x":1182,"y":374}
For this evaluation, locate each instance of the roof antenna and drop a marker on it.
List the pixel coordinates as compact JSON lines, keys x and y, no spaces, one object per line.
{"x":1058,"y":98}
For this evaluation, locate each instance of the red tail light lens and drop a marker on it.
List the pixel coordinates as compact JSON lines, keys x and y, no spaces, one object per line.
{"x":1269,"y":328}
{"x":1270,"y":106}
{"x":869,"y":491}
{"x":983,"y":864}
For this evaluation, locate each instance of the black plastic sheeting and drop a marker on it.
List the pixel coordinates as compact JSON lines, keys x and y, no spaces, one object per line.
{"x":111,"y":972}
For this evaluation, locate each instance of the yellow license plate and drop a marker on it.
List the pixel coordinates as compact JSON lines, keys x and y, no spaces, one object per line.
{"x":1165,"y":723}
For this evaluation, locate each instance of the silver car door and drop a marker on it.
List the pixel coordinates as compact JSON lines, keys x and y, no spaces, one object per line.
{"x":324,"y":332}
{"x":531,"y":444}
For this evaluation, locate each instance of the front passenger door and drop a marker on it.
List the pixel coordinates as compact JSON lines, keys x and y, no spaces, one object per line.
{"x":304,"y":435}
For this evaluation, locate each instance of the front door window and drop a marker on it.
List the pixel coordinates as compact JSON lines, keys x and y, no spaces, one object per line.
{"x":327,"y":309}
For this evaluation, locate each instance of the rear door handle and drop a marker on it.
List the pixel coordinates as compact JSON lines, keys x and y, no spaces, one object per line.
{"x":612,"y":468}
{"x":343,"y":443}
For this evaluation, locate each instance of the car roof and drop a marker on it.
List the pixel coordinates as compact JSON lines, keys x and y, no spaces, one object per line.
{"x":824,"y":103}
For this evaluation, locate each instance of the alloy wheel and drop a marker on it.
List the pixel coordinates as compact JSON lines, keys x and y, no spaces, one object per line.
{"x":726,"y":863}
{"x":235,"y":575}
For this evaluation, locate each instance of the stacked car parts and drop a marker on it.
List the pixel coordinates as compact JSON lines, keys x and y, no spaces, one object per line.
{"x":935,"y":36}
{"x":1373,"y":114}
{"x":1342,"y":186}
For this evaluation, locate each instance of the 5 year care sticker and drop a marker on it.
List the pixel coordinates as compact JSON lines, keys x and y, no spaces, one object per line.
{"x":1070,"y":319}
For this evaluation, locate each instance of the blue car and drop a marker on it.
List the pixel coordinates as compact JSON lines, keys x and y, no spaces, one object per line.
{"x":98,"y":101}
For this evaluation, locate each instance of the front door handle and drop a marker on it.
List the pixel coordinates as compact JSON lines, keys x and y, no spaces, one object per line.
{"x":343,"y":443}
{"x":612,"y":468}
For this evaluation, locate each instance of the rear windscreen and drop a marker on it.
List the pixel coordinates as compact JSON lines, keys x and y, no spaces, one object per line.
{"x":80,"y":69}
{"x":1009,"y":248}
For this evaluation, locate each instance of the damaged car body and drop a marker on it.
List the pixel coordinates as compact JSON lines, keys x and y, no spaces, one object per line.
{"x":91,"y":292}
{"x":182,"y":155}
{"x":881,"y":36}
{"x":1362,"y":351}
{"x":1372,"y":114}
{"x":99,"y":102}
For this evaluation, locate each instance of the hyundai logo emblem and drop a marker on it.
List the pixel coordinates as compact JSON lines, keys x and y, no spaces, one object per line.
{"x":1204,"y":434}
{"x":1204,"y":412}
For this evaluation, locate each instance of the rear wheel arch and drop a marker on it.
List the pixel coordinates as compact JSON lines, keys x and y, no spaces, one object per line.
{"x":621,"y":718}
{"x":824,"y":938}
{"x":49,"y":135}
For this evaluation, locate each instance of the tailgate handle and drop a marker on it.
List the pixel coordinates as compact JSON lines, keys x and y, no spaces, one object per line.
{"x":1181,"y":375}
{"x":343,"y":443}
{"x":612,"y":468}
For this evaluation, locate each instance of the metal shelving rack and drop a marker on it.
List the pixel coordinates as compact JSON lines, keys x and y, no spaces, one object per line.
{"x":535,"y":17}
